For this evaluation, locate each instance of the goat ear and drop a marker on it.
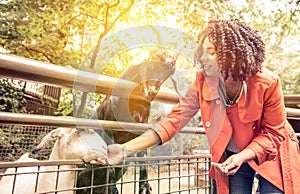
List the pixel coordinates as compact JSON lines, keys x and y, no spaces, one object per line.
{"x":57,"y":133}
{"x":50,"y":136}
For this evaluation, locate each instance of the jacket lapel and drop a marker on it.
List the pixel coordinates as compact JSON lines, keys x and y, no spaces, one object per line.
{"x":210,"y":88}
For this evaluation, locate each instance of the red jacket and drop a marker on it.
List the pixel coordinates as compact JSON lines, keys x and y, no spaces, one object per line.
{"x":260,"y":124}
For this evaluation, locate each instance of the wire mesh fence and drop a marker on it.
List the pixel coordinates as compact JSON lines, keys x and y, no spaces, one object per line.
{"x":16,"y":140}
{"x":181,"y":174}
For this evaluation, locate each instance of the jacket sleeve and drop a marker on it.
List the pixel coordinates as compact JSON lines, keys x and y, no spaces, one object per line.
{"x":180,"y":115}
{"x":267,"y":143}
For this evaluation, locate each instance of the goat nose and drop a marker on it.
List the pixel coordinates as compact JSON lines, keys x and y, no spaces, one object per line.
{"x":152,"y":92}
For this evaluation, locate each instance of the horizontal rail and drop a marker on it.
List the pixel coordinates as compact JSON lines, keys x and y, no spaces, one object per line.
{"x":32,"y":70}
{"x":77,"y":162}
{"x":197,"y":156}
{"x":292,"y":101}
{"x":293,"y":112}
{"x":39,"y":163}
{"x":27,"y":69}
{"x":33,"y":119}
{"x":57,"y":121}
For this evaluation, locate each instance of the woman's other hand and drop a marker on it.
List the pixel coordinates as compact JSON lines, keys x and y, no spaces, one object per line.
{"x":234,"y":162}
{"x":230,"y":166}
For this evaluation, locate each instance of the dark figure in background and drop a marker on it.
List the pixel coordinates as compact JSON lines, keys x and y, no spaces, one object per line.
{"x":149,"y":75}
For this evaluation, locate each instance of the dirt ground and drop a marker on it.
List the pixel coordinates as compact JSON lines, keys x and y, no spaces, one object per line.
{"x":168,"y":183}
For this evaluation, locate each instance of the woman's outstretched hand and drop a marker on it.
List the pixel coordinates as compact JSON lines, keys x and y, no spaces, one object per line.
{"x":116,"y":153}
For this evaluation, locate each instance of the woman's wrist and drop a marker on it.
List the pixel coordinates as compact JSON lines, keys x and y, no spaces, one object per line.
{"x":146,"y":140}
{"x":247,"y":154}
{"x":125,"y":151}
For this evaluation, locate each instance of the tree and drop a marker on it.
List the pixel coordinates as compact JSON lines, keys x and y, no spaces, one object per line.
{"x":57,"y":31}
{"x":110,"y":18}
{"x":40,"y":30}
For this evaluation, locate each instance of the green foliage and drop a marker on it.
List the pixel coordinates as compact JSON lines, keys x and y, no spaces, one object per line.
{"x":40,"y":30}
{"x":11,"y":96}
{"x":65,"y":107}
{"x":286,"y":64}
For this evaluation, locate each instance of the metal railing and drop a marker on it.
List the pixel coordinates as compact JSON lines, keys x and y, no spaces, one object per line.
{"x":23,"y":68}
{"x":27,"y":69}
{"x":32,"y":70}
{"x":180,"y":174}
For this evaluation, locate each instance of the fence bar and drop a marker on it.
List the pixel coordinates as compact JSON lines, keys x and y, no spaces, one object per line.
{"x":57,"y":121}
{"x":33,"y":119}
{"x":292,"y":101}
{"x":293,"y":112}
{"x":32,"y":70}
{"x":39,"y":163}
{"x":28,"y":69}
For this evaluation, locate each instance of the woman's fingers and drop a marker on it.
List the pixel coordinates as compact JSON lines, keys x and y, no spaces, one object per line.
{"x":225,"y":169}
{"x":115,"y":155}
{"x":102,"y":161}
{"x":219,"y":167}
{"x":230,"y":167}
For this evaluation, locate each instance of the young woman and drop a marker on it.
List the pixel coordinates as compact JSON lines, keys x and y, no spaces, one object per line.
{"x":243,"y":112}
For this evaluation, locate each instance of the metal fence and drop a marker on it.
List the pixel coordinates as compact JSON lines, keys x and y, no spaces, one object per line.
{"x":166,"y":174}
{"x":182,"y":174}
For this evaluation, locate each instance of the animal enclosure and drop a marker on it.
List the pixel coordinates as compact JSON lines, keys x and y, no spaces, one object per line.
{"x":169,"y":174}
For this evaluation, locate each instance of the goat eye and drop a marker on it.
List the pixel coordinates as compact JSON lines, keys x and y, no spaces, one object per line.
{"x":79,"y":130}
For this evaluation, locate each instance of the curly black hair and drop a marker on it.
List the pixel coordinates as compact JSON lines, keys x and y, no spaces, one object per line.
{"x":240,"y":49}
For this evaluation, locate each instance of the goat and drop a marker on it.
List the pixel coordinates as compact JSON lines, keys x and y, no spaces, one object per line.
{"x":7,"y":183}
{"x":71,"y":143}
{"x":150,"y":75}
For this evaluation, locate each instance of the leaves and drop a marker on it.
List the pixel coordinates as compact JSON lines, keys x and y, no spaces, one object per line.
{"x":12,"y":97}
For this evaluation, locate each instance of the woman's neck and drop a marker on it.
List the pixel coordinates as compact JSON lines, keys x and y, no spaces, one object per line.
{"x":233,"y":90}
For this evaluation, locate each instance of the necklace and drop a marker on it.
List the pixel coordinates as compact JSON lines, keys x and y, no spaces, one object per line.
{"x":238,"y":94}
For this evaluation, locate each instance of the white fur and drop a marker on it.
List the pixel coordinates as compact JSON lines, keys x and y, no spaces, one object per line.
{"x":69,"y":145}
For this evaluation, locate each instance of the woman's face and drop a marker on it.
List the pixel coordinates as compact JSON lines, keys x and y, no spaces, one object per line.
{"x":209,"y":59}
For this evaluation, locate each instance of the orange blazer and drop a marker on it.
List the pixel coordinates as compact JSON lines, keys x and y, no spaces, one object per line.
{"x":260,"y":124}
